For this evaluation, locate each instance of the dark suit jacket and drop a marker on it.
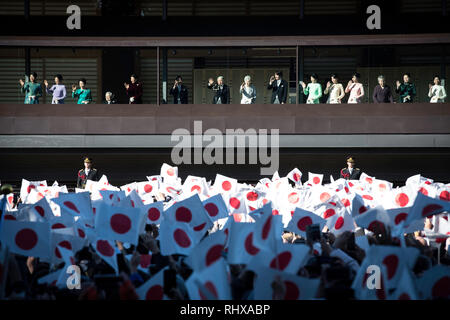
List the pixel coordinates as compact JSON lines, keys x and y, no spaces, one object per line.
{"x":135,"y":90}
{"x":356,"y":173}
{"x":280,"y":91}
{"x":183,"y":94}
{"x":113,"y":101}
{"x":82,"y":177}
{"x":223,"y":93}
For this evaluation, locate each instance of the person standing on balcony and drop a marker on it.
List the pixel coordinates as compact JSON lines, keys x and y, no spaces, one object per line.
{"x":355,"y":88}
{"x":437,"y":91}
{"x":406,"y":90}
{"x":88,"y":173}
{"x":222,"y":91}
{"x":32,"y":89}
{"x":350,"y":173}
{"x":313,"y":90}
{"x":109,"y":98}
{"x":335,"y":90}
{"x":279,"y":88}
{"x":248,"y":91}
{"x":382,"y":92}
{"x":134,"y":90}
{"x":58,"y":90}
{"x":179,"y":91}
{"x":82,"y":94}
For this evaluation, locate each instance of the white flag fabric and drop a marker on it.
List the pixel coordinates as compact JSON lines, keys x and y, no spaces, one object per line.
{"x":152,"y":289}
{"x":295,"y":175}
{"x":241,"y":247}
{"x":295,"y":287}
{"x":425,"y":206}
{"x":315,"y":178}
{"x":31,"y":239}
{"x":119,"y":223}
{"x":223,"y":184}
{"x":177,"y":238}
{"x":76,"y":204}
{"x":154,"y":212}
{"x":211,"y":283}
{"x":302,"y":219}
{"x":215,"y":207}
{"x":207,"y":252}
{"x":435,"y":283}
{"x":106,"y":250}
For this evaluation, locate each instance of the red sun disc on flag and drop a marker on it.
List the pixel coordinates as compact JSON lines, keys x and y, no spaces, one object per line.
{"x":444,"y":195}
{"x":266,"y":228}
{"x":81,"y":233}
{"x":252,"y":196}
{"x":281,"y":261}
{"x":58,"y":226}
{"x":213,"y":254}
{"x":120,"y":223}
{"x":296,"y":177}
{"x":148,"y":188}
{"x":249,"y":247}
{"x":328,"y":213}
{"x":196,"y":188}
{"x":183,"y":214}
{"x":226,"y":185}
{"x":40,"y":210}
{"x":105,"y":248}
{"x":339,"y":223}
{"x":26,"y":239}
{"x":235,"y":203}
{"x":153,"y":214}
{"x":212,"y":209}
{"x":71,"y":205}
{"x":292,"y":291}
{"x":391,"y":263}
{"x":441,"y":289}
{"x":155,"y":292}
{"x":293,"y":197}
{"x":316,"y":180}
{"x":402,"y":199}
{"x":325,"y":196}
{"x":181,"y":238}
{"x":200,"y":227}
{"x":304,"y":222}
{"x":211,"y":288}
{"x":170,"y":171}
{"x":400,"y":217}
{"x":429,"y":209}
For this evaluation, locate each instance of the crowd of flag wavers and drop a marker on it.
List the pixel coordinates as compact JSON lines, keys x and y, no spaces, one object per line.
{"x":290,"y":237}
{"x":334,"y":90}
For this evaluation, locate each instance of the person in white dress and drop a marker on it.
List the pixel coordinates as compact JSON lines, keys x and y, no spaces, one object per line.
{"x":335,"y":90}
{"x":437,"y":92}
{"x":248,"y":91}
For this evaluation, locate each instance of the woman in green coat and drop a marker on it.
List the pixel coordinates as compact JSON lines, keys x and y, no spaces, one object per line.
{"x":32,"y":89}
{"x":82,"y":94}
{"x":313,"y":90}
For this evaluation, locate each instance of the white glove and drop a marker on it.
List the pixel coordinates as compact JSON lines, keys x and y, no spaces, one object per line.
{"x":132,"y":99}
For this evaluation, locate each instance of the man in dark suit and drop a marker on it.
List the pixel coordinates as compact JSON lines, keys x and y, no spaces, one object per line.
{"x":279,"y":88}
{"x":350,"y":173}
{"x":179,"y":91}
{"x":88,"y":173}
{"x":222,"y":91}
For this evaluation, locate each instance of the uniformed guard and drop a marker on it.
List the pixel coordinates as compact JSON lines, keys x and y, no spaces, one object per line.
{"x":88,"y":173}
{"x":350,"y":173}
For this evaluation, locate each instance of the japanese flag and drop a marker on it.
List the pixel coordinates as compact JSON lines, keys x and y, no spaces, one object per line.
{"x":314,"y":178}
{"x":295,"y":287}
{"x":75,"y":204}
{"x":435,"y":283}
{"x":133,"y":200}
{"x":375,"y":220}
{"x":169,"y":173}
{"x":113,"y":197}
{"x":153,"y":212}
{"x":236,"y":202}
{"x":129,"y":187}
{"x":195,"y":185}
{"x":302,"y":219}
{"x":223,"y":184}
{"x":119,"y":223}
{"x":296,"y":176}
{"x":155,"y":178}
{"x":42,"y":208}
{"x":402,"y":197}
{"x":366,"y":179}
{"x":61,"y":222}
{"x":106,"y":250}
{"x":415,"y":181}
{"x":147,"y":188}
{"x":192,"y":212}
{"x":65,"y":238}
{"x":27,"y":186}
{"x":268,"y":230}
{"x":177,"y":238}
{"x":406,"y":287}
{"x":153,"y":289}
{"x":425,"y":206}
{"x":215,"y":207}
{"x":443,"y":193}
{"x":241,"y":247}
{"x":207,"y":252}
{"x":358,"y":206}
{"x":212,"y":283}
{"x":27,"y":238}
{"x":343,"y":223}
{"x":287,"y":257}
{"x":254,"y":198}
